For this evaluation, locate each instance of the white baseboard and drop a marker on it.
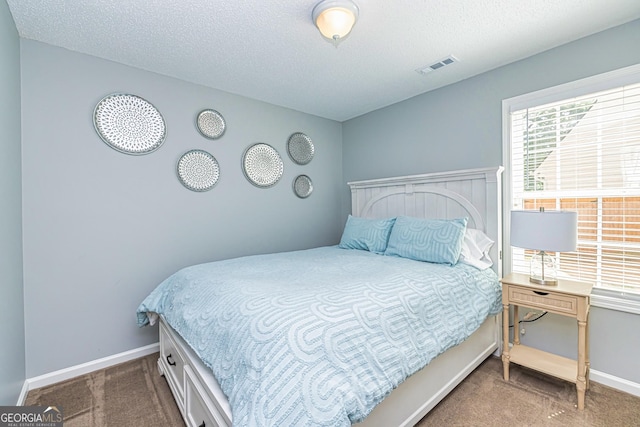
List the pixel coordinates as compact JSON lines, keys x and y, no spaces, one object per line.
{"x":615,"y":382}
{"x":85,"y":368}
{"x":23,"y":394}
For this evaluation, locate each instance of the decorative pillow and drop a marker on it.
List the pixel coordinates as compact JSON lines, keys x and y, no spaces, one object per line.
{"x":475,"y":249}
{"x":431,"y":240}
{"x":367,"y":234}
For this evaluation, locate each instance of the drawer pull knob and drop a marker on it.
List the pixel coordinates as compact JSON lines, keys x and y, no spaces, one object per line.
{"x":169,"y":361}
{"x":541,"y":293}
{"x":202,"y":425}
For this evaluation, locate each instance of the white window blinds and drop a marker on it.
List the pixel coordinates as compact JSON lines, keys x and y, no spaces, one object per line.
{"x":583,"y":154}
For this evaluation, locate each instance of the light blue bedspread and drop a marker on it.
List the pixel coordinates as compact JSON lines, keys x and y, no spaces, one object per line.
{"x":319,"y":337}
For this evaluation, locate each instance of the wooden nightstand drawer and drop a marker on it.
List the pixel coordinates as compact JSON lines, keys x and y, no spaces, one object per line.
{"x":549,"y":301}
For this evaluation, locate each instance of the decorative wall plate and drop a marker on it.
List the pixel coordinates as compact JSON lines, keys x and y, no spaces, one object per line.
{"x":198,"y":170}
{"x":302,"y":186}
{"x":262,"y":165}
{"x":300,"y":148}
{"x":129,"y":124}
{"x":211,"y":124}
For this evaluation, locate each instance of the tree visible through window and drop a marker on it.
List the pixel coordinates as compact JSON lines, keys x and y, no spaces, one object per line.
{"x":583,"y":154}
{"x":546,"y":128}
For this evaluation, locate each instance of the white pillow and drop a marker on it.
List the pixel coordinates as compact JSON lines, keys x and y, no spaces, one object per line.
{"x":475,"y":249}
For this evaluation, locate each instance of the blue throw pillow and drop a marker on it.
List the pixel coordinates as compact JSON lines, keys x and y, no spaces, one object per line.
{"x":431,"y":240}
{"x":366,"y":234}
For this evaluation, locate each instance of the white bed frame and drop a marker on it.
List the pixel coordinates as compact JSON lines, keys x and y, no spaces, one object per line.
{"x":472,"y":193}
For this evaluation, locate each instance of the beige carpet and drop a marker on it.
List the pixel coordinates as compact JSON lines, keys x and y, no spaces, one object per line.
{"x":530,"y":399}
{"x":129,"y":394}
{"x":133,"y":394}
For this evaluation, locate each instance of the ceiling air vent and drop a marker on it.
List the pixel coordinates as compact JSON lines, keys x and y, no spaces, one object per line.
{"x":437,"y":65}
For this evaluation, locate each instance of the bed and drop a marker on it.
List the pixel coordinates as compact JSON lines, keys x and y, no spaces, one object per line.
{"x":358,"y":333}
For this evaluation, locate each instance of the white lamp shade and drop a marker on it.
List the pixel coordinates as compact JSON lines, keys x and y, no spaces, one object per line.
{"x":551,"y":231}
{"x":335,"y":19}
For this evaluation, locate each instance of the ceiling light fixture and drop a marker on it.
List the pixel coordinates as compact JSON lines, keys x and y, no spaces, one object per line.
{"x":335,"y":18}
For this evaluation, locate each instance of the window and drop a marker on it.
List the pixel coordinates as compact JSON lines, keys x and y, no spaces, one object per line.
{"x":582,"y":153}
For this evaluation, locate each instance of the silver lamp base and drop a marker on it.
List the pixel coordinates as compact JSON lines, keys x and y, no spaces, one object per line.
{"x":546,"y":281}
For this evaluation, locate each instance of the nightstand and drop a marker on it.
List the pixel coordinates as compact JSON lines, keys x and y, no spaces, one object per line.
{"x":567,"y":298}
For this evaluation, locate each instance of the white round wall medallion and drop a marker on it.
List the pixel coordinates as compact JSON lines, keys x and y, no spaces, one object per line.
{"x":300,"y":148}
{"x":198,"y":170}
{"x":262,"y":165}
{"x":211,"y":124}
{"x":302,"y":186}
{"x":129,"y":124}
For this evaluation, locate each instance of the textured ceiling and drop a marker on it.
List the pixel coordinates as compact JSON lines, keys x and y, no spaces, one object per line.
{"x":270,"y":50}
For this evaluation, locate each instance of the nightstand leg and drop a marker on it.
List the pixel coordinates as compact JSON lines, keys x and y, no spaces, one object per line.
{"x":581,"y":382}
{"x":586,"y":350}
{"x":505,"y":340}
{"x":516,"y":325}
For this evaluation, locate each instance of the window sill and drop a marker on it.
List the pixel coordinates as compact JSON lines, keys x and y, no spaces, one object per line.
{"x":615,"y":300}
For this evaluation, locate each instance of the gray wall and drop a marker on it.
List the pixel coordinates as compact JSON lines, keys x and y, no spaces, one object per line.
{"x":102,"y":228}
{"x":460,"y":126}
{"x":615,"y":342}
{"x":12,"y":355}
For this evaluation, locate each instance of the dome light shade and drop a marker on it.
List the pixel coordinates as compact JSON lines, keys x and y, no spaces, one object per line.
{"x":335,"y":19}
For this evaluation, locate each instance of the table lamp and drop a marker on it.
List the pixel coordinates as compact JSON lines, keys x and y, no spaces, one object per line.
{"x":544,"y":231}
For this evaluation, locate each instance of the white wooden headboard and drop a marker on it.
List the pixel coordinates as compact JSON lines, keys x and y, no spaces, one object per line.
{"x":472,"y":193}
